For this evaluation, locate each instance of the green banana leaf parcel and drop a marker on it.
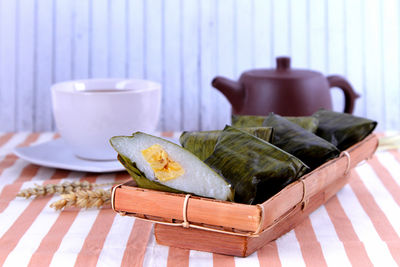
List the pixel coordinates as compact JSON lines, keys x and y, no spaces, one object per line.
{"x":240,"y":121}
{"x":309,"y":148}
{"x":341,"y":129}
{"x":255,"y":168}
{"x":309,"y":123}
{"x":196,"y":177}
{"x":202,"y":143}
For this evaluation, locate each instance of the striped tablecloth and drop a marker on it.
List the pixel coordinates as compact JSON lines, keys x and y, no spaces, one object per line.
{"x":359,"y":226}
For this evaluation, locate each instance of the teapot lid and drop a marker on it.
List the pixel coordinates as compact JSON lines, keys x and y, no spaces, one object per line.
{"x":282,"y":71}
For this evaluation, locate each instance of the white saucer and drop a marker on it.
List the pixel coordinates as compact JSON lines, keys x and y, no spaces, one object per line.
{"x":56,"y":154}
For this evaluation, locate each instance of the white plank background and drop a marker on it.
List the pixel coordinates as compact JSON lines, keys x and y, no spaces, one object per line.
{"x":185,"y":43}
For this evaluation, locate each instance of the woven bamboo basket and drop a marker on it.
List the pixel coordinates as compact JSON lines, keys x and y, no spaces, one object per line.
{"x":192,"y":222}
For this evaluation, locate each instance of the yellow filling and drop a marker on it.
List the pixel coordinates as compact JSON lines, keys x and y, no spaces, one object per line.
{"x":164,"y":167}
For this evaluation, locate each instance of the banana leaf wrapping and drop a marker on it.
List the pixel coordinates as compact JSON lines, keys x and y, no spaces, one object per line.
{"x":202,"y":143}
{"x":308,"y":123}
{"x":240,"y":121}
{"x":255,"y":168}
{"x":309,"y":148}
{"x":341,"y":129}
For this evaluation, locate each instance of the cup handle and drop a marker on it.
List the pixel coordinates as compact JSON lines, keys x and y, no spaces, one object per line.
{"x":350,"y":95}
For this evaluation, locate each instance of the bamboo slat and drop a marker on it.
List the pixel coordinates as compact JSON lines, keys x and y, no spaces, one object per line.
{"x":200,"y":210}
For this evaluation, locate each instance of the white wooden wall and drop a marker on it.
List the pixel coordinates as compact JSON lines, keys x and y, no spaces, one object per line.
{"x":184,"y":43}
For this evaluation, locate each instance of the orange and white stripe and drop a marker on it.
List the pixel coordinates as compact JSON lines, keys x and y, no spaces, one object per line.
{"x":11,"y":238}
{"x":20,"y":171}
{"x":33,"y":236}
{"x":359,"y":226}
{"x":11,"y":141}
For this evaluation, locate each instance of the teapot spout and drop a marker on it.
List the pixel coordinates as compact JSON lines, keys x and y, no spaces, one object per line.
{"x":232,"y":90}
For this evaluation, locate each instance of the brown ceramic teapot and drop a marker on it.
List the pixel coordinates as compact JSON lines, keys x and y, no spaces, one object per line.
{"x":285,"y":91}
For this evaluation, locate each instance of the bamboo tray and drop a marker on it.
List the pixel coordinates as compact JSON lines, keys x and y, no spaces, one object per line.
{"x":223,"y":227}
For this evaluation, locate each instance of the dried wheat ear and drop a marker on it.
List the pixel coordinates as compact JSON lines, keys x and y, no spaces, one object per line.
{"x":74,"y":194}
{"x":83,"y":199}
{"x":64,"y":188}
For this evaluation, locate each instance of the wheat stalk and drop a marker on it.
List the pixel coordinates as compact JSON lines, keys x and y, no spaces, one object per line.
{"x":74,"y":194}
{"x":64,"y":188}
{"x":83,"y":199}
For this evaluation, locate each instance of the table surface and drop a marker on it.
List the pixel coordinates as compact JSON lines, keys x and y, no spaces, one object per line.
{"x":359,"y":226}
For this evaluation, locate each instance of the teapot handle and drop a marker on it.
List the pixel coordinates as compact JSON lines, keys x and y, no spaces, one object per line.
{"x":350,"y":95}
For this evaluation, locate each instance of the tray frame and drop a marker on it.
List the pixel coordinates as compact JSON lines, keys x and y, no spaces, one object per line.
{"x":242,"y":229}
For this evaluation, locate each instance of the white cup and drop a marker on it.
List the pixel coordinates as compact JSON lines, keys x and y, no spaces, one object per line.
{"x":89,"y":112}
